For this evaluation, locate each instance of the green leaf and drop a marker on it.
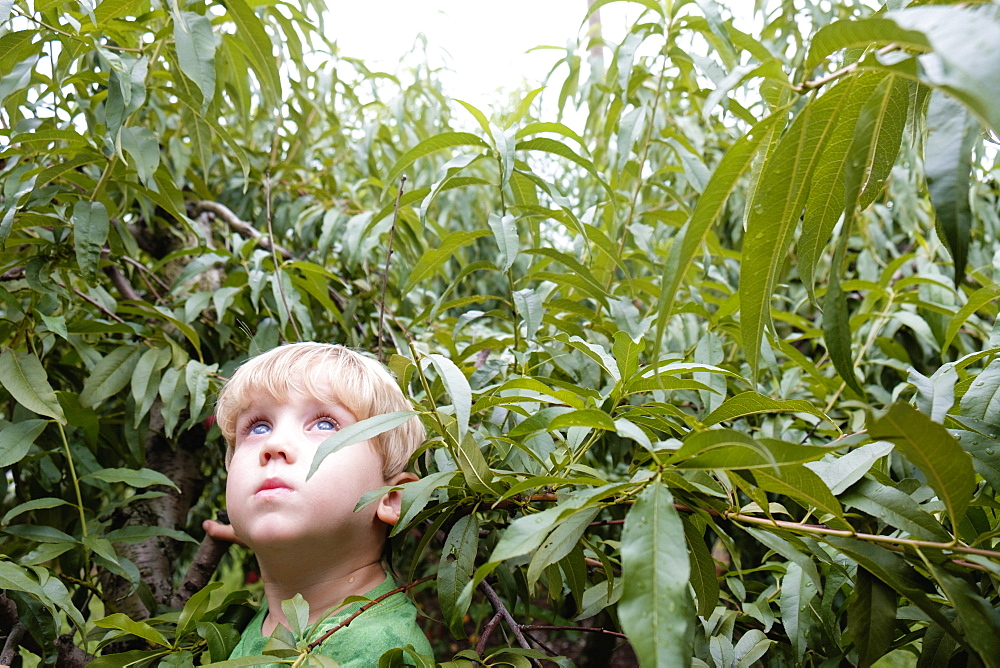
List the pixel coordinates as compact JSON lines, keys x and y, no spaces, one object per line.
{"x":133,"y":477}
{"x":143,"y":148}
{"x":296,"y":611}
{"x":977,"y":300}
{"x":979,"y":618}
{"x":796,"y":598}
{"x":16,"y":439}
{"x":963,"y":62}
{"x":656,"y":610}
{"x":704,"y":579}
{"x":871,"y":617}
{"x":804,"y":486}
{"x":196,"y":43}
{"x":458,"y":389}
{"x":438,"y":142}
{"x":40,"y":533}
{"x":357,"y":432}
{"x":590,"y":418}
{"x":753,"y":403}
{"x":220,"y":638}
{"x":474,"y":466}
{"x":948,"y":162}
{"x":848,"y":34}
{"x":935,"y":395}
{"x":137,"y":533}
{"x":982,"y":400}
{"x":139,"y":629}
{"x":840,"y":473}
{"x":90,"y":232}
{"x":732,"y":450}
{"x":256,"y":45}
{"x":455,"y":569}
{"x":896,"y":508}
{"x":34,"y":504}
{"x":836,"y":322}
{"x":505,"y":232}
{"x":560,"y":542}
{"x":110,"y":375}
{"x":775,"y":209}
{"x":432,"y":259}
{"x":24,"y":377}
{"x":555,"y":147}
{"x":930,"y":447}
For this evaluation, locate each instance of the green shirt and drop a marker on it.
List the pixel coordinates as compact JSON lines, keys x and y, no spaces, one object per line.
{"x":386,"y":625}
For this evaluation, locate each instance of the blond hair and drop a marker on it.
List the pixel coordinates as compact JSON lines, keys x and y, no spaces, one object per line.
{"x":329,"y":372}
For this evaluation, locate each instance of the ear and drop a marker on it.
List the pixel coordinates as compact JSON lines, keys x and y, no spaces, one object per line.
{"x":389,"y":505}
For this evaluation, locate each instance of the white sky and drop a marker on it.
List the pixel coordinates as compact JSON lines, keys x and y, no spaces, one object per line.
{"x":482,"y":42}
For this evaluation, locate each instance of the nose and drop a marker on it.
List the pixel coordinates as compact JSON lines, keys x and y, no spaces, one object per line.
{"x":277,"y":447}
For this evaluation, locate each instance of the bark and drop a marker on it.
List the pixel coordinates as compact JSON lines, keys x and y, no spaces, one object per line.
{"x":155,"y":557}
{"x":68,"y":655}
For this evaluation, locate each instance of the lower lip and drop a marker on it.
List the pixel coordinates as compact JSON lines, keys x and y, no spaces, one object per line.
{"x":273,"y":492}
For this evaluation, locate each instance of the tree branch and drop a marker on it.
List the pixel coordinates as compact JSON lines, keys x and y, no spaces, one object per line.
{"x":244,"y":228}
{"x":121,"y":283}
{"x":206,"y":561}
{"x":12,"y":644}
{"x":501,"y":609}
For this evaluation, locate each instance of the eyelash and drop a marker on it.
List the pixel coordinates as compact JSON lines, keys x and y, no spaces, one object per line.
{"x":253,"y":422}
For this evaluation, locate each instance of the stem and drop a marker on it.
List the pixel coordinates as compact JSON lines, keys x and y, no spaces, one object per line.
{"x":873,"y":538}
{"x":76,"y":481}
{"x":385,"y":275}
{"x":487,"y":632}
{"x":274,"y":254}
{"x":587,"y":629}
{"x":807,"y":86}
{"x":501,"y":610}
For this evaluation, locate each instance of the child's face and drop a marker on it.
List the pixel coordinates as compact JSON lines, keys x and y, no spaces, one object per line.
{"x":271,"y":504}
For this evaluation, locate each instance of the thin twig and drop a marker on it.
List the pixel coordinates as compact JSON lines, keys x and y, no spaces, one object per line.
{"x":807,"y":86}
{"x":388,"y":256}
{"x":245,"y":229}
{"x":375,"y":601}
{"x":93,"y":303}
{"x":274,"y":253}
{"x":873,"y":538}
{"x":487,"y":632}
{"x":500,"y":608}
{"x":588,"y":629}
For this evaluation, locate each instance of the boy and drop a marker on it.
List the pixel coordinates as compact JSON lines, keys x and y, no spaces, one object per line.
{"x":274,"y":413}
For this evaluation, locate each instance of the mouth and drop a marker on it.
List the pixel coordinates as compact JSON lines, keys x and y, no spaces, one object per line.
{"x":274,"y":487}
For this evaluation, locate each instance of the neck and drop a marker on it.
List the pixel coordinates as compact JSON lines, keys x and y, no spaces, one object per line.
{"x":324,"y":588}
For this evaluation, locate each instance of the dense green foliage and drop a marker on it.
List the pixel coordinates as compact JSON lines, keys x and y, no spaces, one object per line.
{"x":715,"y":366}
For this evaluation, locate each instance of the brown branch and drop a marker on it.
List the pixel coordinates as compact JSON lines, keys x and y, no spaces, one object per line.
{"x":385,"y":275}
{"x":68,"y":654}
{"x":12,"y":644}
{"x":121,"y":283}
{"x":244,"y":228}
{"x":588,"y":629}
{"x":100,"y":307}
{"x":501,"y":609}
{"x":375,"y":601}
{"x":274,"y":253}
{"x":487,"y":632}
{"x":206,"y":561}
{"x":15,"y":274}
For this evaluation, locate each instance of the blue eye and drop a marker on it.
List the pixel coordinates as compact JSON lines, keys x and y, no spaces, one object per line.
{"x":260,"y":429}
{"x":326,"y":425}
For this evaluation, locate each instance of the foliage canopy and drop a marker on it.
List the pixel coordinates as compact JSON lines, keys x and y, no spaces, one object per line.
{"x":707,"y":353}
